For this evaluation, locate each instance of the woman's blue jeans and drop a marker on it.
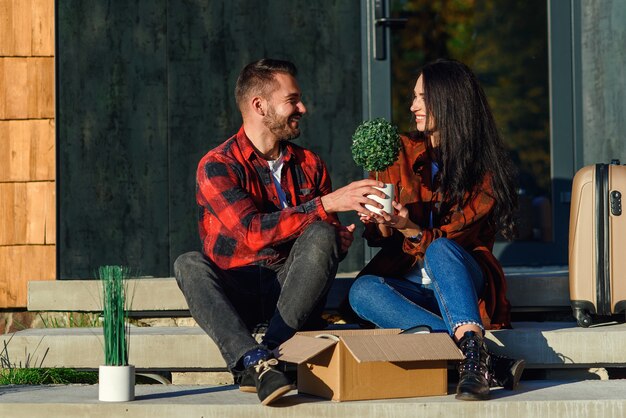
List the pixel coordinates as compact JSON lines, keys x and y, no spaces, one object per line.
{"x":446,"y":303}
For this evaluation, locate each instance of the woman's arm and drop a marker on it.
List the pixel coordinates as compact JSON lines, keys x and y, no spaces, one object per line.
{"x":460,"y":224}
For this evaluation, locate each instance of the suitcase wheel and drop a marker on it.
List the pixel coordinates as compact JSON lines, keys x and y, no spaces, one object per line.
{"x":583,"y":318}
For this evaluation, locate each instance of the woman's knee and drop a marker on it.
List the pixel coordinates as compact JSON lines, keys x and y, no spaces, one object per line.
{"x":363,"y":287}
{"x":445,"y":258}
{"x":441,"y":246}
{"x":444,"y":252}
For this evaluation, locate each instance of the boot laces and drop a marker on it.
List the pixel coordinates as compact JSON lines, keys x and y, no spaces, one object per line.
{"x":264,"y":366}
{"x":472,"y":351}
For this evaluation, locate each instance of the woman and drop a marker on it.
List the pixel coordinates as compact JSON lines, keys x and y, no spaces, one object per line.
{"x":454,"y":182}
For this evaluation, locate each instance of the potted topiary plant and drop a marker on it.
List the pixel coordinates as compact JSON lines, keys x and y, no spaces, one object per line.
{"x":375,"y":146}
{"x":116,"y":378}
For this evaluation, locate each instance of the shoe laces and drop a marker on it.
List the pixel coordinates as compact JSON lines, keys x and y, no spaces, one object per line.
{"x":264,"y":366}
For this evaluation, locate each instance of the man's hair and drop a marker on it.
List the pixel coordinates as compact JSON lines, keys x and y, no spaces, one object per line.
{"x":258,"y":78}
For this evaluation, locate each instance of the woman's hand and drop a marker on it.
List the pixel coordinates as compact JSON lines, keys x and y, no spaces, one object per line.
{"x":366,"y":219}
{"x":398,"y":220}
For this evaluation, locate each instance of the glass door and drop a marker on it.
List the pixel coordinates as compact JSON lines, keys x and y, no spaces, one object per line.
{"x":507,"y":44}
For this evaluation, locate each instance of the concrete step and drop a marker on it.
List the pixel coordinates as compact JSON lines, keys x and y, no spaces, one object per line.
{"x":543,"y":345}
{"x":154,"y":348}
{"x":583,"y":399}
{"x":542,"y":288}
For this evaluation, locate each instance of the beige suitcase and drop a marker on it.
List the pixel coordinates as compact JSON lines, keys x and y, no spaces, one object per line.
{"x":597,"y":242}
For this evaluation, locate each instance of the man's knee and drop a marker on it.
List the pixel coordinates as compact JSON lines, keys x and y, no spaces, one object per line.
{"x":322,"y":229}
{"x":321,"y":234}
{"x":185,"y":264}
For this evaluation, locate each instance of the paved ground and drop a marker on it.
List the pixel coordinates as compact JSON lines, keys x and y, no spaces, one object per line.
{"x":536,"y":399}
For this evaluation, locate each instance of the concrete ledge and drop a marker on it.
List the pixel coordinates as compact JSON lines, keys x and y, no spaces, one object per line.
{"x":85,"y":295}
{"x":588,"y":399}
{"x":528,"y":289}
{"x":543,"y":345}
{"x":169,"y":348}
{"x":562,"y":344}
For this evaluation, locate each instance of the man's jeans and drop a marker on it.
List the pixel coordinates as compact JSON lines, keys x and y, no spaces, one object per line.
{"x":228,"y":304}
{"x":449,"y":301}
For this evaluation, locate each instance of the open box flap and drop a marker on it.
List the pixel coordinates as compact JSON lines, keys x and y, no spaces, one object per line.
{"x":344,"y":332}
{"x":402,"y":347}
{"x":301,"y":348}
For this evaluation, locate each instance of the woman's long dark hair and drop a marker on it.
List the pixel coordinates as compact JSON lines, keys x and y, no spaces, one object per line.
{"x":470,"y":146}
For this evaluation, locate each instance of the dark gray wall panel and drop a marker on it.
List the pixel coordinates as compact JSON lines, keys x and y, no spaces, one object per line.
{"x":603,"y":80}
{"x":208,"y":45}
{"x":146,"y":88}
{"x":112,"y":136}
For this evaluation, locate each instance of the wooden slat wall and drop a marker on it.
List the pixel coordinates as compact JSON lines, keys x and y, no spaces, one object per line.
{"x":22,"y":263}
{"x":27,"y":88}
{"x":27,"y":148}
{"x":27,"y":28}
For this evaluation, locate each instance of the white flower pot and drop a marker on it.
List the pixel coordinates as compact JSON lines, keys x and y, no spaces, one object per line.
{"x":388,"y":190}
{"x":116,"y":383}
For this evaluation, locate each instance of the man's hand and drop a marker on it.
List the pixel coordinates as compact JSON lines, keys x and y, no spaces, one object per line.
{"x":353,"y":197}
{"x":346,"y":236}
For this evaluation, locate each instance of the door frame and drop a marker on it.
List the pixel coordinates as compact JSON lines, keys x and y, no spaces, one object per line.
{"x":565,"y":121}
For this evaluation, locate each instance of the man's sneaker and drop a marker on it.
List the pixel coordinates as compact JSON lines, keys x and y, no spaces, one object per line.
{"x":246,"y":382}
{"x":270,"y":383}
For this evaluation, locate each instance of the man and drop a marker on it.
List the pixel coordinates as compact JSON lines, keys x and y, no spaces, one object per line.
{"x":271,"y":239}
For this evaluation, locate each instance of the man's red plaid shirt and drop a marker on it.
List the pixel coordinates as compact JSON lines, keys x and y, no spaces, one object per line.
{"x":241,"y":222}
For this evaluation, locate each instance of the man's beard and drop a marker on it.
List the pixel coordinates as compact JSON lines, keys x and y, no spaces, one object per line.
{"x":279,"y":126}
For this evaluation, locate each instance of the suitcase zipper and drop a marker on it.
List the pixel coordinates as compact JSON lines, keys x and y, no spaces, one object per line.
{"x":603,"y":289}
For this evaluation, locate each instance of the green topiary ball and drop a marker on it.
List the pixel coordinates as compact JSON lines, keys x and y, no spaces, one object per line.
{"x":375,"y":144}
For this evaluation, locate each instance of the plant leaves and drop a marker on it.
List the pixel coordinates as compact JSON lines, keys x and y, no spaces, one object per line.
{"x":375,"y":144}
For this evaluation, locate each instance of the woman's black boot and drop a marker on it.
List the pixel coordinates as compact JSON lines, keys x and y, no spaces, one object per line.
{"x":474,"y":370}
{"x":504,"y":371}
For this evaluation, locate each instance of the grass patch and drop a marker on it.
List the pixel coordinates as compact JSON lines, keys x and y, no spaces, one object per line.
{"x":45,"y":376}
{"x":25,"y":374}
{"x":70,"y":320}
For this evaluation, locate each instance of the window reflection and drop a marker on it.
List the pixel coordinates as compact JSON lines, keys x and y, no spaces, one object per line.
{"x":506,"y":43}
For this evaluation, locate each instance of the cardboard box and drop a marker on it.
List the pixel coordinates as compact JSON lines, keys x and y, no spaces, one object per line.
{"x":350,"y":365}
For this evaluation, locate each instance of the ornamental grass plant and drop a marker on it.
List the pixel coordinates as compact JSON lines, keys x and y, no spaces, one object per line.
{"x":375,"y":145}
{"x":115,"y":326}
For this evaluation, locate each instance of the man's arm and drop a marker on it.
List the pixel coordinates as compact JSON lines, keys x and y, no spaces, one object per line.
{"x":221,"y":193}
{"x":353,"y":197}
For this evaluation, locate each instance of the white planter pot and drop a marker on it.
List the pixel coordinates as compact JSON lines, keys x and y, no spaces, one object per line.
{"x":388,"y":190}
{"x":116,"y":383}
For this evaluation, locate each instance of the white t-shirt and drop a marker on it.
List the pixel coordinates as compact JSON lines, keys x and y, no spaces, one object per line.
{"x":276,"y":167}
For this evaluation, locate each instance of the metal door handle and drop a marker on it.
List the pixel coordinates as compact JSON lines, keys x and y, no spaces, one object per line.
{"x":391,"y":22}
{"x":381,"y":23}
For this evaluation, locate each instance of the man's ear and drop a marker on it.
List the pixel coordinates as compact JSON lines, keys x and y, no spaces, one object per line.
{"x":259,"y":105}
